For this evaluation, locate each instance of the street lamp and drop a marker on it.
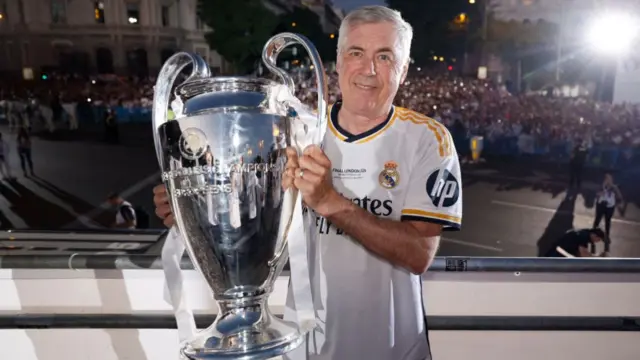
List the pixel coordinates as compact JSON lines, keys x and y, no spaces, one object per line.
{"x":613,"y":34}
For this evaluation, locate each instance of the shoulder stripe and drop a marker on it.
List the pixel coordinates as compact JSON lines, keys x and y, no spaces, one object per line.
{"x":432,"y":215}
{"x":439,"y":130}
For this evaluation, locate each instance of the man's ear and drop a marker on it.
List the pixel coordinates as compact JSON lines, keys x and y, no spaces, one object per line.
{"x":405,"y":71}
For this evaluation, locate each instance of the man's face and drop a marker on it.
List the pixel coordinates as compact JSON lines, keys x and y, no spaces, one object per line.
{"x":595,"y":238}
{"x":370,"y":68}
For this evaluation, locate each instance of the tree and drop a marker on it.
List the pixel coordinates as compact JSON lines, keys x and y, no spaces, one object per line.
{"x":303,"y":21}
{"x":433,"y":23}
{"x":240,"y":29}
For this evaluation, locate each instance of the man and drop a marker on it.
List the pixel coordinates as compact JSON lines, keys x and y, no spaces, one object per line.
{"x":383,"y":189}
{"x":125,"y":213}
{"x":5,"y":160}
{"x":576,"y":164}
{"x":575,"y":243}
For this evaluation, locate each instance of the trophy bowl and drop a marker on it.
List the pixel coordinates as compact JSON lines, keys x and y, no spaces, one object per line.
{"x":222,"y":161}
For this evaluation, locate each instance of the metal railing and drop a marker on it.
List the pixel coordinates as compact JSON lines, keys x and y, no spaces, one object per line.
{"x":441,"y":264}
{"x":449,"y":323}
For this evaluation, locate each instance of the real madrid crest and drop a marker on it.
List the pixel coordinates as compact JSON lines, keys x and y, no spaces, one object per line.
{"x":389,"y":178}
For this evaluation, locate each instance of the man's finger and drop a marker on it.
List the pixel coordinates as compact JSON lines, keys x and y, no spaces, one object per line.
{"x":290,"y":172}
{"x":163,"y":211}
{"x":311,"y":149}
{"x":288,"y":176}
{"x":292,"y":164}
{"x":308,"y":181}
{"x":310,"y":164}
{"x":317,"y":154}
{"x":160,"y":199}
{"x":292,"y":157}
{"x":169,"y":221}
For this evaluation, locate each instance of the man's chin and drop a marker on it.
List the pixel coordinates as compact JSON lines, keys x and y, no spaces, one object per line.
{"x":368,"y":110}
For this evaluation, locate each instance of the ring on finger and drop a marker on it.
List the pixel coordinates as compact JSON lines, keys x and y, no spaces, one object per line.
{"x":301,"y":173}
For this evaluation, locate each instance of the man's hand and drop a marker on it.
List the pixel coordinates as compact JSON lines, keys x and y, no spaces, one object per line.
{"x":163,"y":209}
{"x":290,"y":169}
{"x":313,"y":178}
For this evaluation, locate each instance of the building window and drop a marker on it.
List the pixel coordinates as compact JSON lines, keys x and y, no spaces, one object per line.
{"x":98,"y":11}
{"x":133,"y":13}
{"x":164,"y":14}
{"x":199,"y":24}
{"x":58,"y":11}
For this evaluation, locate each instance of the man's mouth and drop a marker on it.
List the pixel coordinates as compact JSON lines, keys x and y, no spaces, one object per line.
{"x":364,"y":87}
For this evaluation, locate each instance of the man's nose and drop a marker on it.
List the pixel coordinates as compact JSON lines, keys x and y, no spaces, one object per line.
{"x":369,"y":66}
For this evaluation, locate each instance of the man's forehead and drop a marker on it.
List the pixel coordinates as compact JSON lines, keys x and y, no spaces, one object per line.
{"x":373,"y":37}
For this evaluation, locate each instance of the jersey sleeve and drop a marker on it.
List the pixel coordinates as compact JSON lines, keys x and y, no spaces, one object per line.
{"x":435,"y":188}
{"x":128,"y":213}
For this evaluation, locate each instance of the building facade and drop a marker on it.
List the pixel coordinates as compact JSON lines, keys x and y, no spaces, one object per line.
{"x":129,"y":37}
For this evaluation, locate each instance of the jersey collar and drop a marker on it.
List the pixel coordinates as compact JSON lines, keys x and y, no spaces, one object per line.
{"x":366,"y":136}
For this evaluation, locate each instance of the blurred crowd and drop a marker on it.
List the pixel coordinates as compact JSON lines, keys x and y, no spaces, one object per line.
{"x":481,"y":107}
{"x":109,"y":90}
{"x":478,"y":107}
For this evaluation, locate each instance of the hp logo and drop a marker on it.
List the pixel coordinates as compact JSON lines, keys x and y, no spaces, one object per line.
{"x":443,"y":188}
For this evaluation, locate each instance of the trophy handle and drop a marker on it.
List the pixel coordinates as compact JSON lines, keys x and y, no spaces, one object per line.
{"x":270,"y":53}
{"x":162,"y":89}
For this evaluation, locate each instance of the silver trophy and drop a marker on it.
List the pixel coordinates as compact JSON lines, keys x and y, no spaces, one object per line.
{"x":222,"y":160}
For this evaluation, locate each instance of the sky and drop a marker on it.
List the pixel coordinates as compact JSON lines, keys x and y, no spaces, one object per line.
{"x":350,"y":4}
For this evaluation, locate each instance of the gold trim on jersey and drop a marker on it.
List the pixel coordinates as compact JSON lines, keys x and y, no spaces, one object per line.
{"x":365,"y":139}
{"x":379,"y":132}
{"x":432,"y":215}
{"x":438,"y":129}
{"x":333,"y":128}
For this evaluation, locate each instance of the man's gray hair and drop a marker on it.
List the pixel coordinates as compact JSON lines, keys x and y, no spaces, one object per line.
{"x":377,"y":14}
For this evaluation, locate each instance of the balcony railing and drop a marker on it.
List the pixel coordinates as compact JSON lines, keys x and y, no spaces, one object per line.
{"x":68,"y":306}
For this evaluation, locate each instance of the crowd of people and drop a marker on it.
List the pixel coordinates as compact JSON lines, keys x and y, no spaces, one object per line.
{"x":468,"y":106}
{"x":488,"y":109}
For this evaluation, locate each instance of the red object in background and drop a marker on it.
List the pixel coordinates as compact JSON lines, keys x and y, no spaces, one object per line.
{"x":450,"y":68}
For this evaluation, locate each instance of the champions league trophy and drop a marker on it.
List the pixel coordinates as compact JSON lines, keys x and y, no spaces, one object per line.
{"x":222,"y":160}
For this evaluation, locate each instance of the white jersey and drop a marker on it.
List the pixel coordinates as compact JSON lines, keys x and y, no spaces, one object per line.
{"x":125,"y":213}
{"x":608,"y":196}
{"x":405,"y":169}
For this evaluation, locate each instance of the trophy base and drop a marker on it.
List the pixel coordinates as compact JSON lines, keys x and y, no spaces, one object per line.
{"x":244,"y":333}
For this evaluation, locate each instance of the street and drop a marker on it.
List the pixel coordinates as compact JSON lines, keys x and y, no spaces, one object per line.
{"x":72,"y":179}
{"x":511,"y":214}
{"x":509,"y":210}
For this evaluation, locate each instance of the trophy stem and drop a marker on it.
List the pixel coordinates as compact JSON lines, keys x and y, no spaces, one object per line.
{"x":244,"y":329}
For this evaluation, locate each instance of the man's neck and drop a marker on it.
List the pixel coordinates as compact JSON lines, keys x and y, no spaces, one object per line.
{"x":357,"y":123}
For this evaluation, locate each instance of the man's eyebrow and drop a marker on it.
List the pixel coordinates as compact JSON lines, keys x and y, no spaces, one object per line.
{"x":384,"y":49}
{"x":381,"y":50}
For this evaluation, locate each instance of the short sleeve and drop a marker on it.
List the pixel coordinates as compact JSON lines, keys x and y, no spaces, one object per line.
{"x":435,"y":187}
{"x":128,"y":214}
